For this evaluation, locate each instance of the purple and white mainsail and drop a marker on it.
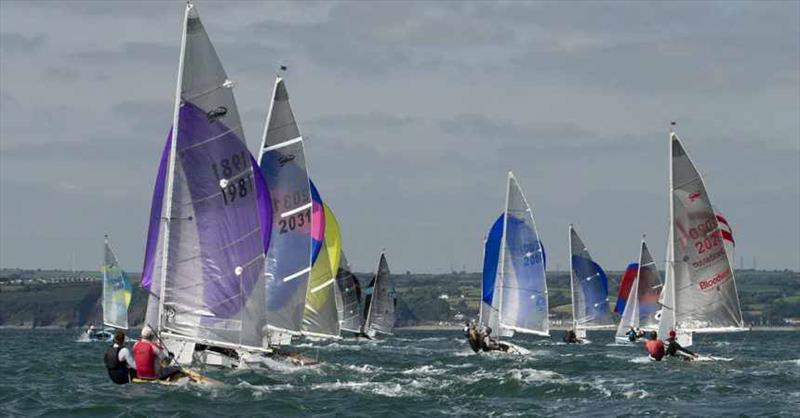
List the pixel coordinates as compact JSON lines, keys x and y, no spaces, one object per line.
{"x":204,"y":260}
{"x":288,"y":261}
{"x":700,"y":294}
{"x":590,"y":310}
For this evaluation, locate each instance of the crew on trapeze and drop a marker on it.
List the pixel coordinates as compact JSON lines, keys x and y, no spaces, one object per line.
{"x":635,"y":334}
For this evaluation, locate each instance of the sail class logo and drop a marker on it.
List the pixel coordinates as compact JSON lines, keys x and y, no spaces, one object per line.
{"x":716,"y":280}
{"x":217,"y":113}
{"x":285,"y":159}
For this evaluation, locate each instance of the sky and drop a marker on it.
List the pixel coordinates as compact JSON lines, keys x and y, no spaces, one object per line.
{"x":413,"y":112}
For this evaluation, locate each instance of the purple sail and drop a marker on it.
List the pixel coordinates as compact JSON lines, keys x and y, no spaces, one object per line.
{"x":218,"y":171}
{"x":155,"y":216}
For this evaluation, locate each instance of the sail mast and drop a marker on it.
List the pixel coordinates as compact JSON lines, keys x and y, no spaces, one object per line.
{"x":171,"y":164}
{"x":572,"y":280}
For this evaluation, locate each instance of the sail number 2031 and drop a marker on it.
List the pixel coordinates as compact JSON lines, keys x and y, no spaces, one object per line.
{"x":295,"y":221}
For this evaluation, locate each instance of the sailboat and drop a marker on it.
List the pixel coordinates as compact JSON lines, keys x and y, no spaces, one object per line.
{"x":700,"y":290}
{"x":209,"y":220}
{"x":589,"y":284}
{"x":641,"y":306}
{"x":380,"y":303}
{"x":116,"y":296}
{"x":348,"y":295}
{"x":514,"y":287}
{"x":288,"y":263}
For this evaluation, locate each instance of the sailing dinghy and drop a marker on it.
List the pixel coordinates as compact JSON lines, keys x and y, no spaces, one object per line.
{"x":700,"y":290}
{"x":209,"y":220}
{"x":641,"y":307}
{"x":380,"y":303}
{"x":589,"y":284}
{"x":349,"y":297}
{"x":116,"y":296}
{"x":514,"y":287}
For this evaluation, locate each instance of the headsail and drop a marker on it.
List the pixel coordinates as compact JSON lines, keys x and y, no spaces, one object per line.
{"x":625,"y":283}
{"x":349,"y":294}
{"x":321,"y":318}
{"x":490,"y":292}
{"x":288,"y":264}
{"x":590,"y":308}
{"x":704,"y":296}
{"x":523,"y":290}
{"x":380,"y":302}
{"x":116,"y":290}
{"x":209,"y":285}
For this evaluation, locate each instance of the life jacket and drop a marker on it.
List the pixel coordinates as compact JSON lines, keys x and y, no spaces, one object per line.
{"x":112,"y":361}
{"x":144,"y":354}
{"x":654,"y":347}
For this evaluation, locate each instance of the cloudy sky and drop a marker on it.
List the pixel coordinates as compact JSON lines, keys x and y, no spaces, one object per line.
{"x":413,"y":113}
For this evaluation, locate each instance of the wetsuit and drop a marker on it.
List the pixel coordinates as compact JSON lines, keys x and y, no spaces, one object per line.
{"x":120,"y":370}
{"x":655,"y":348}
{"x":570,"y":337}
{"x":631,"y":335}
{"x":673,"y":347}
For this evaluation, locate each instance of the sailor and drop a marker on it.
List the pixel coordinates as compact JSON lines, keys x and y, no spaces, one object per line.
{"x":90,"y":330}
{"x":119,"y":362}
{"x":654,"y":347}
{"x":148,"y":356}
{"x":489,"y":343}
{"x":673,"y":347}
{"x":632,"y":335}
{"x":640,"y":333}
{"x":570,"y":337}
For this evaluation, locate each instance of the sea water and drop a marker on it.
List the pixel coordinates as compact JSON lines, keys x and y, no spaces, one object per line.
{"x":422,"y":374}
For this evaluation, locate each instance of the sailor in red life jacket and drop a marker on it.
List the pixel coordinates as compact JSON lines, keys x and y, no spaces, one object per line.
{"x":148,"y":356}
{"x":655,"y":347}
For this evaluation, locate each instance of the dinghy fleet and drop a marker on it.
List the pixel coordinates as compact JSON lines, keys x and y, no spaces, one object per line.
{"x":243,"y":256}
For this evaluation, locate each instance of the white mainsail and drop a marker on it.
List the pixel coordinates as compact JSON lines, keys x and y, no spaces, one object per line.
{"x":642,"y":308}
{"x":380,"y":302}
{"x":700,"y":293}
{"x":288,"y":263}
{"x":205,"y":252}
{"x":522,"y":282}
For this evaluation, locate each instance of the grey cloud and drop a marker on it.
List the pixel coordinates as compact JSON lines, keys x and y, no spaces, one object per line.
{"x":17,"y":43}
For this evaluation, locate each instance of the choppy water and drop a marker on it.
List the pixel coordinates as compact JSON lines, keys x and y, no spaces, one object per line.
{"x":431,"y":373}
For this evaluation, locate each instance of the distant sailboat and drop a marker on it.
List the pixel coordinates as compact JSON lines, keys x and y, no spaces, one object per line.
{"x":349,"y":297}
{"x":380,"y":303}
{"x":204,"y":260}
{"x":700,"y":291}
{"x":283,"y":165}
{"x":590,"y":310}
{"x":116,"y":290}
{"x":514,"y":291}
{"x":641,"y":307}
